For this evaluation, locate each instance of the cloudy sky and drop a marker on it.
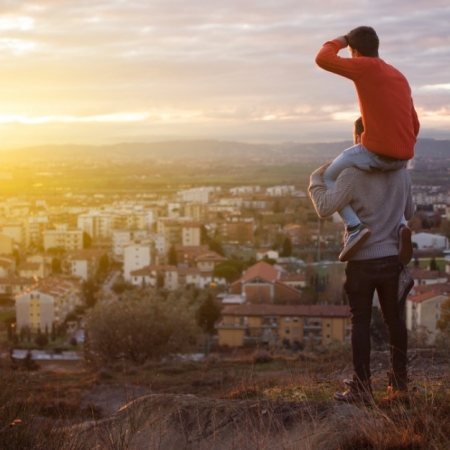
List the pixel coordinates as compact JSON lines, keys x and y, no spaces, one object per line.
{"x":108,"y":71}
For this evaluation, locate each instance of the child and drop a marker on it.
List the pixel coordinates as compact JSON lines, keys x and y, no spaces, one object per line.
{"x":390,"y":122}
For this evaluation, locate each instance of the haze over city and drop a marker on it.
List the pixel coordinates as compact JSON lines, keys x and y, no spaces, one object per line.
{"x":103,"y":72}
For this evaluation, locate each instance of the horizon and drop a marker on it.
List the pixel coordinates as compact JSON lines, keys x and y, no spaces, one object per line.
{"x":93,"y":73}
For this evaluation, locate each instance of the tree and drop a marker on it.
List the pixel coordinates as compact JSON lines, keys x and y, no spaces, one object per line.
{"x":230,"y":269}
{"x":41,"y":340}
{"x":444,"y":321}
{"x":141,"y":327}
{"x":103,"y":267}
{"x":89,"y":290}
{"x":433,"y":264}
{"x":287,"y":247}
{"x":207,"y":315}
{"x":56,"y":266}
{"x":87,"y":240}
{"x":172,"y":257}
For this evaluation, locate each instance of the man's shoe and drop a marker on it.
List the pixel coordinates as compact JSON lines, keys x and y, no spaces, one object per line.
{"x":397,"y":391}
{"x":405,"y":249}
{"x":357,"y":392}
{"x":353,"y":242}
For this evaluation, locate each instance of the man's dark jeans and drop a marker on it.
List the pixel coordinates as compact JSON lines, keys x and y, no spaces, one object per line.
{"x":363,"y":278}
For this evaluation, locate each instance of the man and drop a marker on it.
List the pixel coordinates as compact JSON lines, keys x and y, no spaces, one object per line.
{"x":390,"y":122}
{"x":380,"y":199}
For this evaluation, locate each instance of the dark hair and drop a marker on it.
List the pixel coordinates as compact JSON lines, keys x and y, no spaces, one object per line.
{"x":365,"y":40}
{"x":358,"y":127}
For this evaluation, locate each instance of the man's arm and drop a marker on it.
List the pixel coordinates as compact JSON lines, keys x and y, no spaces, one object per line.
{"x":328,"y":59}
{"x":327,"y":202}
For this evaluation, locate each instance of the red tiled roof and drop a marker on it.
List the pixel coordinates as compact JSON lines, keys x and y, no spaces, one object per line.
{"x":424,"y":297}
{"x":261,"y":270}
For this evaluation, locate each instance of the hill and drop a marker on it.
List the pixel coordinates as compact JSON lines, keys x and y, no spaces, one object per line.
{"x":207,"y":150}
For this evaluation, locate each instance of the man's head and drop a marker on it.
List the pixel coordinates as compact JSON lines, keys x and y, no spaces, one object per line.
{"x":364,"y":40}
{"x":358,"y":129}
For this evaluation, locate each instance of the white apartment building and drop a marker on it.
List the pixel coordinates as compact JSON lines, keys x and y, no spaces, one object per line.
{"x":98,"y":224}
{"x":36,"y":227}
{"x":245,"y":190}
{"x":136,"y":256}
{"x":429,"y":240}
{"x":63,"y":237}
{"x":279,"y":191}
{"x":423,"y":311}
{"x":121,"y":238}
{"x":190,"y":234}
{"x":47,"y":303}
{"x":197,"y":195}
{"x":16,"y":230}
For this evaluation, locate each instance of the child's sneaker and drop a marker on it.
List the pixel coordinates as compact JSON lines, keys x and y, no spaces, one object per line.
{"x":354,"y":240}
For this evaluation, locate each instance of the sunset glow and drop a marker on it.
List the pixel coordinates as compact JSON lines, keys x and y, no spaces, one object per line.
{"x":131,"y":70}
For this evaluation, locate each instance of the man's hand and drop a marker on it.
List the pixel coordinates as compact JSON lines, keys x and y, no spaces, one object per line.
{"x":322,"y":169}
{"x":343,"y":39}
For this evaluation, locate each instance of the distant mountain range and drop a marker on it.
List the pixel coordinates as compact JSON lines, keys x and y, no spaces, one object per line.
{"x":207,"y":150}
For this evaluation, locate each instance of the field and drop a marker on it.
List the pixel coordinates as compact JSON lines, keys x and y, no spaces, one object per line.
{"x":236,"y":401}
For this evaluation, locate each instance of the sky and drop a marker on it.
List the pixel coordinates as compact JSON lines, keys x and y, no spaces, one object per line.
{"x":111,"y":71}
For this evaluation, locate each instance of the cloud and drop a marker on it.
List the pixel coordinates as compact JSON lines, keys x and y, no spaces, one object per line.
{"x":236,"y":68}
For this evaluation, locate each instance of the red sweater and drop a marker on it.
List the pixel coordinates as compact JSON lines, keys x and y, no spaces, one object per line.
{"x":390,"y":121}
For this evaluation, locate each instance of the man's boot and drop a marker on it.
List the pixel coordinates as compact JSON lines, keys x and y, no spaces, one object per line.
{"x":357,"y":392}
{"x":397,"y":391}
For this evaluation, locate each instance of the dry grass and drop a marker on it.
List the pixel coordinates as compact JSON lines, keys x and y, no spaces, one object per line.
{"x":281,"y":402}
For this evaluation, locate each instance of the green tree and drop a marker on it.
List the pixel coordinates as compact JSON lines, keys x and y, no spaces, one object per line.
{"x":287,"y":247}
{"x":87,"y":240}
{"x":89,"y":290}
{"x":143,"y":326}
{"x":172,"y":257}
{"x":433,"y":264}
{"x":216,"y":246}
{"x":56,"y":266}
{"x":103,"y":267}
{"x":41,"y":339}
{"x":444,"y":322}
{"x":207,"y":314}
{"x":230,"y":269}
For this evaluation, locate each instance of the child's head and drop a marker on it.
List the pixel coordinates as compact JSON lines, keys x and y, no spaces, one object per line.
{"x":358,"y":129}
{"x":364,"y":40}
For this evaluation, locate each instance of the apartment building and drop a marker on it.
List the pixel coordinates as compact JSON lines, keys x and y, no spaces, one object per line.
{"x":46,"y":303}
{"x":136,"y":256}
{"x":423,"y":311}
{"x":264,"y":324}
{"x":64,"y":238}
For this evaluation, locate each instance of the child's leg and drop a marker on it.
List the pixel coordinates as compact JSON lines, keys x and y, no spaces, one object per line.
{"x":355,"y":156}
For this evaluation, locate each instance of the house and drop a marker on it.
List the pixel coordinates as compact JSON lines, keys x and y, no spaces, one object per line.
{"x":82,"y":263}
{"x":157,"y":276}
{"x":12,"y":285}
{"x":186,"y":254}
{"x":274,"y":324}
{"x":31,"y":270}
{"x":64,"y":238}
{"x":423,"y":311}
{"x":262,"y":283}
{"x":429,"y":240}
{"x":47,"y":303}
{"x":208,"y":261}
{"x":423,"y":276}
